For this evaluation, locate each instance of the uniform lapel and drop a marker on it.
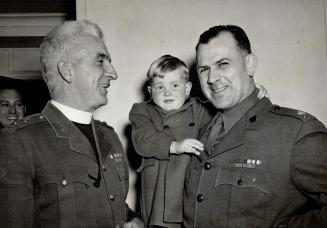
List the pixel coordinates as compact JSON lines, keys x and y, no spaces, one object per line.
{"x":250,"y":120}
{"x":64,"y":128}
{"x":103,"y":143}
{"x":233,"y":139}
{"x":79,"y":143}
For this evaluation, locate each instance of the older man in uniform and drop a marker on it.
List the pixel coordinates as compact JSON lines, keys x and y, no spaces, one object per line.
{"x":264,"y":165}
{"x":61,"y":168}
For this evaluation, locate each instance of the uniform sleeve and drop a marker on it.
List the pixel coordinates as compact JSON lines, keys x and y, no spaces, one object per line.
{"x":16,"y":184}
{"x":148,"y":141}
{"x":309,"y":174}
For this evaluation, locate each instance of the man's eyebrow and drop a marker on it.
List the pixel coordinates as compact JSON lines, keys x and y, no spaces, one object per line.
{"x":221,"y":60}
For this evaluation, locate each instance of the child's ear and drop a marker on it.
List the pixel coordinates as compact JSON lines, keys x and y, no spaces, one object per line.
{"x":188,"y":87}
{"x":149,"y":90}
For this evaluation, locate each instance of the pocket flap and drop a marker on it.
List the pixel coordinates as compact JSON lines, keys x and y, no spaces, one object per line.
{"x":64,"y":176}
{"x":120,"y":170}
{"x":242,"y":178}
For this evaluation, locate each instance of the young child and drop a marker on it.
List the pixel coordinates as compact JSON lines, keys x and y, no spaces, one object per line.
{"x":164,"y":132}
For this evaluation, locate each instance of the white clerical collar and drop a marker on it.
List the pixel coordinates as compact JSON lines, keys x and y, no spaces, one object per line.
{"x":73,"y":114}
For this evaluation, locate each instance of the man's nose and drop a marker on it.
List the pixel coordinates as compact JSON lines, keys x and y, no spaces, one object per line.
{"x":110,"y":71}
{"x":213,"y":75}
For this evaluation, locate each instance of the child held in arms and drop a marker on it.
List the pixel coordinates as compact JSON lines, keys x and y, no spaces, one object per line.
{"x":164,"y":133}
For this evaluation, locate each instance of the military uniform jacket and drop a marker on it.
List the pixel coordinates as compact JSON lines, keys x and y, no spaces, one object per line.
{"x":269,"y":171}
{"x":162,"y":174}
{"x":50,"y":177}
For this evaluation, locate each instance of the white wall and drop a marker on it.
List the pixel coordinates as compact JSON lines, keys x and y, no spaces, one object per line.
{"x":289,"y":38}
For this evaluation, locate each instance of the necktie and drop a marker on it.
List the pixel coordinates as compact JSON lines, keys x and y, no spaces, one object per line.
{"x":217,"y":131}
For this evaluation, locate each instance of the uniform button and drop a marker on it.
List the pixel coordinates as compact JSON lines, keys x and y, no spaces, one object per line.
{"x":200,"y":198}
{"x":166,"y":127}
{"x":239,"y":182}
{"x":96,"y":183}
{"x":104,"y":168}
{"x":253,"y":119}
{"x":207,"y":166}
{"x":276,"y":108}
{"x":41,"y":117}
{"x":111,"y":197}
{"x":64,"y":182}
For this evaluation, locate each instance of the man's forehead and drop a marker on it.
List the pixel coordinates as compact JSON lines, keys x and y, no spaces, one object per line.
{"x":217,"y":48}
{"x":92,"y":45}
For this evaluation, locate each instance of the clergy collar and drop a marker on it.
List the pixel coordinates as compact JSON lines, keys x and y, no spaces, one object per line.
{"x":233,"y":115}
{"x":73,"y":114}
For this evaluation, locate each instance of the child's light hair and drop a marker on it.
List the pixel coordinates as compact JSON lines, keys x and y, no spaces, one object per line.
{"x":166,"y":64}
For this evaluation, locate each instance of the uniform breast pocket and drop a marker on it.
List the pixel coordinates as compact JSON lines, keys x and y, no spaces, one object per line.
{"x":64,"y":190}
{"x":64,"y":176}
{"x":243,"y":178}
{"x":246,"y":192}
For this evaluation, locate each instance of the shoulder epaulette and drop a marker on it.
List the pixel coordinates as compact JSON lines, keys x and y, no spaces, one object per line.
{"x":26,"y":121}
{"x":301,"y":115}
{"x":103,"y":123}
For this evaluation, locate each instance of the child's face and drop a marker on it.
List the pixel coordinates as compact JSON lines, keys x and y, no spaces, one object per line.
{"x":171,"y":91}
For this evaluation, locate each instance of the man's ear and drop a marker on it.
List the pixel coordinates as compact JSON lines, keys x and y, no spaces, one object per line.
{"x":251,"y":63}
{"x":64,"y":70}
{"x":188,"y":87}
{"x":149,"y":90}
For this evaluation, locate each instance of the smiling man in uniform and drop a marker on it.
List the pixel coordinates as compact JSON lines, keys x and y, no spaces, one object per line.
{"x":263,"y":166}
{"x":62,"y":168}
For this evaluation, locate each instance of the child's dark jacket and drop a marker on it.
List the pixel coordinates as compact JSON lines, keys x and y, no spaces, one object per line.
{"x":162,"y":174}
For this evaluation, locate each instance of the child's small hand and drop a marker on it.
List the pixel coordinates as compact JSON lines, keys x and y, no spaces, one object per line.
{"x":192,"y":146}
{"x":262,"y":91}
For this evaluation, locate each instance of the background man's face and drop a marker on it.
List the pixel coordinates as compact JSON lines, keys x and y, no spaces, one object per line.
{"x":223,"y":72}
{"x":11,"y":107}
{"x":93,"y":72}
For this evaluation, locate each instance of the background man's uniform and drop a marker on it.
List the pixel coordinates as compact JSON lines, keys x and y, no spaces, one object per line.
{"x":51,"y":176}
{"x":269,"y":170}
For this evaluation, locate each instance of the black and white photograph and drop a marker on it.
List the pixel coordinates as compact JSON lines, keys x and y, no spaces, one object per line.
{"x":163,"y":114}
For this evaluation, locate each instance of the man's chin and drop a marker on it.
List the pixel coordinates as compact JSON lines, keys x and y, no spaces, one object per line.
{"x":103,"y":102}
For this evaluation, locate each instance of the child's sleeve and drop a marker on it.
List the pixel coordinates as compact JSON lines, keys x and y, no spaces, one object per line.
{"x":147,"y":140}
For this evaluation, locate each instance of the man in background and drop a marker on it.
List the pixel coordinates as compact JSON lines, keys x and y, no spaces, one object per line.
{"x":263,"y":165}
{"x":12,"y":106}
{"x":62,"y":168}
